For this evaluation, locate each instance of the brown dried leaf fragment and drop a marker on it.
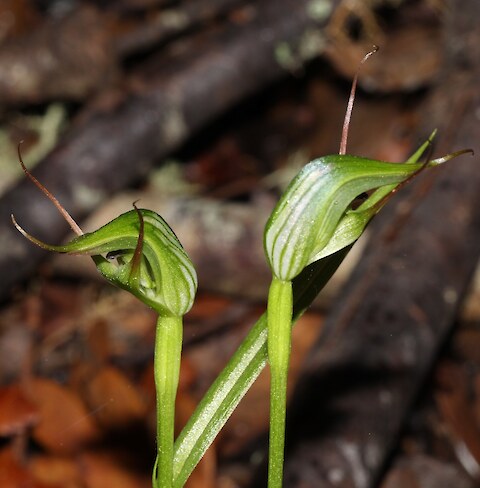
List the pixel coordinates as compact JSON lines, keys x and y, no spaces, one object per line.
{"x":115,"y":400}
{"x":17,"y":412}
{"x":65,"y":424}
{"x":56,"y":471}
{"x":102,"y":469}
{"x":12,"y":472}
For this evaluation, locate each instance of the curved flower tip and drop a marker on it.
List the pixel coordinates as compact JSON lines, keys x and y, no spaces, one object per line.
{"x":35,"y":241}
{"x":448,"y":157}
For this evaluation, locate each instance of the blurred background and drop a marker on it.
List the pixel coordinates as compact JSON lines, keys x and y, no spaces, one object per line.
{"x":204,"y":110}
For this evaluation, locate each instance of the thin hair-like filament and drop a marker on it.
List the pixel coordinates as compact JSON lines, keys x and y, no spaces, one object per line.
{"x":351,"y":99}
{"x":74,"y":226}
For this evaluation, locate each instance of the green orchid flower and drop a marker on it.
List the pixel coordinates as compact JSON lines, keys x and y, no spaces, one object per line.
{"x":140,"y":253}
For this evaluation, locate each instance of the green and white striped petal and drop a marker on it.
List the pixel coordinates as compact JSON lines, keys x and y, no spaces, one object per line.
{"x":139,"y":252}
{"x":314,"y":215}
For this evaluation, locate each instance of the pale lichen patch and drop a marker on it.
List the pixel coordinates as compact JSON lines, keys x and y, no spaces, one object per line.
{"x":319,"y":10}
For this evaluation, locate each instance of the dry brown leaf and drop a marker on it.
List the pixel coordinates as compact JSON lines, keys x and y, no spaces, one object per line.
{"x":103,"y":469}
{"x":12,"y":473}
{"x":99,"y":341}
{"x":65,"y":424}
{"x":56,"y":471}
{"x":17,"y":412}
{"x":115,"y":400}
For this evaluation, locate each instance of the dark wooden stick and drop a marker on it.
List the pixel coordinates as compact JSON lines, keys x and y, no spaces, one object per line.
{"x":67,"y":58}
{"x":165,"y":24}
{"x":81,"y":53}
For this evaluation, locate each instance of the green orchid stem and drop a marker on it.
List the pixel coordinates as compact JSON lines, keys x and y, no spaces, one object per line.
{"x":240,"y":373}
{"x":279,"y":341}
{"x":168,"y":348}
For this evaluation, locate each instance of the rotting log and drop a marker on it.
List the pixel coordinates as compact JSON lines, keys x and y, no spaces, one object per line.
{"x":174,"y":21}
{"x":80,"y":53}
{"x":117,"y":142}
{"x":387,"y":326}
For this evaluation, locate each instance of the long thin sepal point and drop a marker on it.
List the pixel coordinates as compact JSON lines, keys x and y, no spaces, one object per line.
{"x":69,"y":219}
{"x":351,"y":99}
{"x":448,"y":157}
{"x":35,"y":241}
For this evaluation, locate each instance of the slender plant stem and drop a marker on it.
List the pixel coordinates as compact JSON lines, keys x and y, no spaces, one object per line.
{"x":240,"y":373}
{"x":279,"y":340}
{"x":168,"y":347}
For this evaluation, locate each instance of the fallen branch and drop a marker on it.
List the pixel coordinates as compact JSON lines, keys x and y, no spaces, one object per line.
{"x":165,"y":24}
{"x":80,"y":53}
